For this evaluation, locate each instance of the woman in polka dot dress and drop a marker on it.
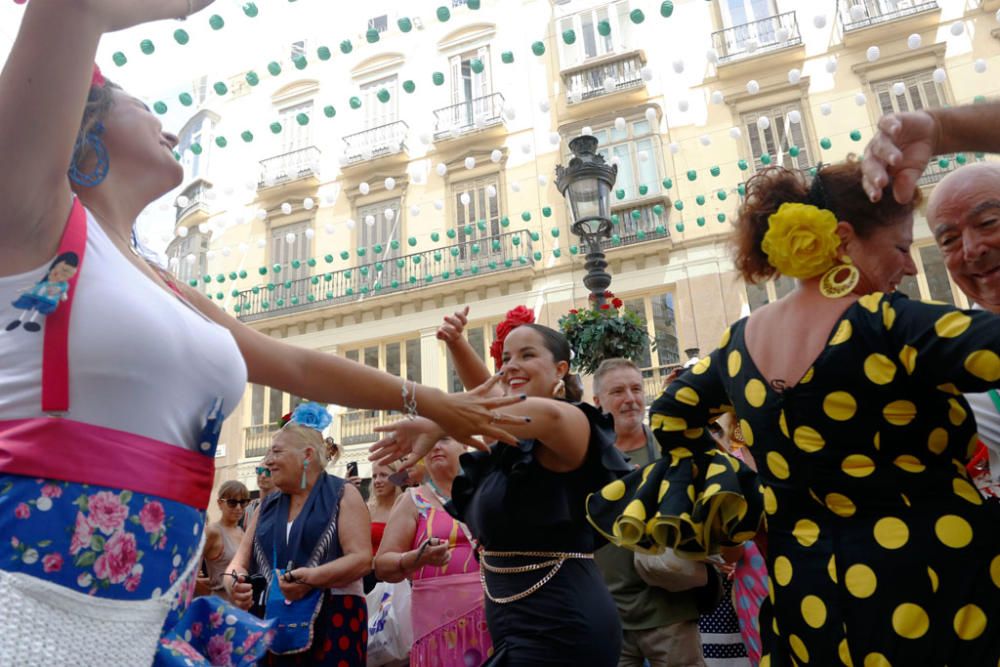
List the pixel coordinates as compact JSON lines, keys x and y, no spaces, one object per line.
{"x":880,"y":549}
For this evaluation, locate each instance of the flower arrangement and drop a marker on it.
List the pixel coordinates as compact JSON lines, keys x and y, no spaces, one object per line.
{"x":514,"y":318}
{"x":801,"y":240}
{"x":603,"y":332}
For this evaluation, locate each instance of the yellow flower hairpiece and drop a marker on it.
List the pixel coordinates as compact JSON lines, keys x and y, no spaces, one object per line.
{"x":801,"y":240}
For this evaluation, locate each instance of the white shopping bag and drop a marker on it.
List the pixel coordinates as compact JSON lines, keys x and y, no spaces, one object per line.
{"x":390,"y":631}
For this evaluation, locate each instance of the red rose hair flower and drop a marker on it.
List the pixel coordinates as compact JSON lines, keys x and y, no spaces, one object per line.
{"x":97,"y":79}
{"x":514,"y":318}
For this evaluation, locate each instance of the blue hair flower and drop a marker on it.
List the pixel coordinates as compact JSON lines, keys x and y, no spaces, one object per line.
{"x":312,"y":415}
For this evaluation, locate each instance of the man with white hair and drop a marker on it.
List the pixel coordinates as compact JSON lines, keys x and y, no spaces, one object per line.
{"x":963,"y":212}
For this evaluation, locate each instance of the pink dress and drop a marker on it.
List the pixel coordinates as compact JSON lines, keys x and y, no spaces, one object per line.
{"x":449,"y":622}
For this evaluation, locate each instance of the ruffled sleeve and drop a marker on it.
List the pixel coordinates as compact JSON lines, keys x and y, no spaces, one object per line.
{"x":696,"y":499}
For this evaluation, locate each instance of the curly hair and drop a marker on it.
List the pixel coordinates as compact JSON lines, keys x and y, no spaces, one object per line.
{"x":836,"y":186}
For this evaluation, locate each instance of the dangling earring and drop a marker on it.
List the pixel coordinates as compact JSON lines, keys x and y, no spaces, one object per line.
{"x":100,"y":171}
{"x":305,"y":467}
{"x":835,"y":283}
{"x":559,"y":391}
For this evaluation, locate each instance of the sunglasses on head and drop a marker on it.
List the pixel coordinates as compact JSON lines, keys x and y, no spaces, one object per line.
{"x":266,"y":472}
{"x":233,"y":502}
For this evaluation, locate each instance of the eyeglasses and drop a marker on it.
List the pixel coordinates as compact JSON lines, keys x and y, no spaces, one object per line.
{"x":232,"y":502}
{"x":266,"y":472}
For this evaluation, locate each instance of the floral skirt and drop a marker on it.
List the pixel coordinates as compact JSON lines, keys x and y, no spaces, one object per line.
{"x":340,"y":636}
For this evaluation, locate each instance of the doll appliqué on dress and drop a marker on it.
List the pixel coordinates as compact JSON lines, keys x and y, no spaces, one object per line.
{"x":45,"y":296}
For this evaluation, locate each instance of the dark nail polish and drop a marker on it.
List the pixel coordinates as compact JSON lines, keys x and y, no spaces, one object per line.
{"x":527,"y":419}
{"x":524,"y":397}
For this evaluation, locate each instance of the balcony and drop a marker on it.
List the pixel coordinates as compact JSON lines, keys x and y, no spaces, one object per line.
{"x":256,"y":440}
{"x":358,"y":426}
{"x":639,"y":223}
{"x":388,"y":139}
{"x":293,"y":166}
{"x":388,"y":275}
{"x":760,"y":37}
{"x":653,"y":380}
{"x":877,"y":12}
{"x":607,"y":75}
{"x":197,"y":200}
{"x":935,"y":172}
{"x":467,"y":117}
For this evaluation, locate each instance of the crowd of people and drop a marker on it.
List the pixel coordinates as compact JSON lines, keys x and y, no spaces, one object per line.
{"x":800,"y":495}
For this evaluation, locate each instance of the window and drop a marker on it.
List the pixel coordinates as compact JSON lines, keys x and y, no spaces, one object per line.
{"x":188,"y":256}
{"x":198,"y":133}
{"x":256,"y":404}
{"x":458,"y":3}
{"x":665,"y":329}
{"x":380,"y":23}
{"x":638,"y":306}
{"x":276,"y":405}
{"x":413,"y":369}
{"x":470,"y":90}
{"x":477,"y":337}
{"x":387,"y":356}
{"x":777,"y":135}
{"x":380,"y":223}
{"x":764,"y":293}
{"x":283,"y":252}
{"x":919,"y":91}
{"x":479,"y":218}
{"x":379,"y":113}
{"x":637,"y":151}
{"x":936,"y":275}
{"x":298,"y":50}
{"x":586,"y":27}
{"x":294,"y":135}
{"x":741,"y":12}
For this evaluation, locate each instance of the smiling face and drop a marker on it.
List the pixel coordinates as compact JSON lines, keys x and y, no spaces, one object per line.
{"x":883,"y":258}
{"x":621,"y":395}
{"x":381,"y":486}
{"x":528,"y":365}
{"x":964,"y":216}
{"x":285,"y":460}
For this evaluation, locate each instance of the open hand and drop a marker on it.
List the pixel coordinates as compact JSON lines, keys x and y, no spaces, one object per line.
{"x":401,"y":440}
{"x":453,"y":326}
{"x":477,"y":412}
{"x":899,"y":153}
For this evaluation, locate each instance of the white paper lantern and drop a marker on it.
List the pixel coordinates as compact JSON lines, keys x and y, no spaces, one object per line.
{"x":587,"y":129}
{"x":227,"y":251}
{"x":819,"y":21}
{"x":651,"y":116}
{"x":554,"y":138}
{"x":980,"y":65}
{"x":190,"y":258}
{"x":825,"y":109}
{"x":496,"y":155}
{"x":250,"y":184}
{"x":364,"y":188}
{"x":418,"y":178}
{"x":310,"y":233}
{"x":712,"y":56}
{"x":794,"y":75}
{"x":860,"y":99}
{"x":646,"y":72}
{"x":753,"y":87}
{"x":470,"y":162}
{"x":290,"y":238}
{"x":509,"y":113}
{"x":390,"y":183}
{"x":286,"y":208}
{"x":675,"y":147}
{"x":542,"y":180}
{"x":370,"y":220}
{"x":705,"y":140}
{"x":515,"y":186}
{"x":329,"y":199}
{"x":620,"y":124}
{"x":328,"y":228}
{"x":735,"y":133}
{"x":763,"y":122}
{"x":914,"y":41}
{"x":464,"y":198}
{"x":173,"y":263}
{"x":643,"y":156}
{"x":261,"y":214}
{"x":526,"y":147}
{"x":794,"y":117}
{"x":491,"y":191}
{"x":438,"y":204}
{"x":939,"y":75}
{"x":390,"y":214}
{"x":414,"y":210}
{"x":203,"y":228}
{"x":544,"y":106}
{"x":957,"y":28}
{"x":576,"y":97}
{"x":441,"y":169}
{"x":873,"y":53}
{"x":782,"y":34}
{"x":898,"y":88}
{"x":308,"y":203}
{"x":243,"y":248}
{"x":182,"y":201}
{"x":751,"y":45}
{"x":609,"y":85}
{"x":182,"y":232}
{"x":261,"y":243}
{"x":210,"y":255}
{"x":678,"y":66}
{"x":683,"y":105}
{"x":831,"y":66}
{"x":616,"y":160}
{"x":350,"y":224}
{"x":857,"y":12}
{"x":718,"y":97}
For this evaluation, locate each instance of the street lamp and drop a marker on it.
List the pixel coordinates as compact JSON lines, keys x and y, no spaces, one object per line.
{"x":586,"y":184}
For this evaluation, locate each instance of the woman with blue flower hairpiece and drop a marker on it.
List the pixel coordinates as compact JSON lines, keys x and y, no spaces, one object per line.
{"x":311,"y":541}
{"x":848,"y":396}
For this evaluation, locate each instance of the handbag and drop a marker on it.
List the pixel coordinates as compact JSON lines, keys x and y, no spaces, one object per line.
{"x":293,"y":619}
{"x":390,"y":630}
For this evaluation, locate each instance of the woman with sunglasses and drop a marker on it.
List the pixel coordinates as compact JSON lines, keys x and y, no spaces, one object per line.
{"x":223,"y":537}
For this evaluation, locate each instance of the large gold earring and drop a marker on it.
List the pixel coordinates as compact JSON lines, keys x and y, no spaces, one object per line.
{"x":559,"y":391}
{"x":840,"y":280}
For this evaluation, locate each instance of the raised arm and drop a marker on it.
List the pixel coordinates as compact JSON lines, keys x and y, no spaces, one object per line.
{"x":43,"y":90}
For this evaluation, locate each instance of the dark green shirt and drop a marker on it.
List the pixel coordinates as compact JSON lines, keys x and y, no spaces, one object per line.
{"x":640,"y":605}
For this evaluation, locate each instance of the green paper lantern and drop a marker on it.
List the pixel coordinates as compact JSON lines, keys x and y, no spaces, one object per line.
{"x":620,"y":193}
{"x":345,"y":254}
{"x":394,"y":244}
{"x":329,"y":295}
{"x":437,"y":78}
{"x":177,"y":156}
{"x":505,"y":221}
{"x":377,"y":248}
{"x":715,"y":170}
{"x":246,"y":135}
{"x":445,"y":275}
{"x":666,"y":9}
{"x":508,"y":263}
{"x":721,"y":194}
{"x":437,"y":256}
{"x":372,"y":35}
{"x":475,"y":248}
{"x":944,"y":163}
{"x":574,"y":250}
{"x":400,"y":263}
{"x":658,"y":209}
{"x":604,"y":28}
{"x":147,"y":47}
{"x":160,"y":108}
{"x":492,"y":264}
{"x":279,"y":302}
{"x":472,"y":4}
{"x":329,"y":111}
{"x":454,"y":252}
{"x":196,"y":148}
{"x":538,"y":48}
{"x":435,"y":237}
{"x":255,"y":289}
{"x":637,"y":16}
{"x":451,"y":233}
{"x":300,"y":62}
{"x":960,"y":158}
{"x":185,"y":99}
{"x":355,"y":102}
{"x":569,"y":36}
{"x":252,"y":78}
{"x":721,"y":217}
{"x":242,"y":274}
{"x":556,"y":252}
{"x":458,"y":272}
{"x":220,"y":88}
{"x":679,"y":227}
{"x":270,"y":287}
{"x":507,"y":57}
{"x":443,"y":13}
{"x":855,"y":135}
{"x":276,"y":127}
{"x":516,"y":240}
{"x":825,"y":143}
{"x":346,"y":46}
{"x":700,"y":200}
{"x":416,"y":259}
{"x":234,"y":293}
{"x":496,"y":245}
{"x":274,"y":68}
{"x":349,"y":291}
{"x":216,"y":21}
{"x":742,"y":164}
{"x":555,"y":232}
{"x":979,"y":99}
{"x":701,"y":221}
{"x":364,"y":271}
{"x":348,"y":273}
{"x":310,"y":262}
{"x":692,"y":174}
{"x":679,"y":205}
{"x":382,"y":95}
{"x":615,"y":219}
{"x":405,"y":24}
{"x":668,"y":183}
{"x":660,"y":229}
{"x":546,"y":211}
{"x":394,"y":284}
{"x":311,"y":298}
{"x":643,"y":189}
{"x":537,"y":255}
{"x":265,"y":305}
{"x":119,"y":58}
{"x":412,"y":241}
{"x":323,"y":53}
{"x":765,"y":159}
{"x":409,"y":86}
{"x":476,"y":65}
{"x":481,"y":226}
{"x":640,"y":235}
{"x":741,"y":189}
{"x":535,"y":236}
{"x":276,"y":268}
{"x":250,"y":9}
{"x":362,"y":252}
{"x":295,"y":300}
{"x":262,"y":270}
{"x":637,"y":215}
{"x":193,"y":282}
{"x":181,"y":36}
{"x":328,"y":258}
{"x":794,"y":151}
{"x":616,"y":239}
{"x":526,"y":216}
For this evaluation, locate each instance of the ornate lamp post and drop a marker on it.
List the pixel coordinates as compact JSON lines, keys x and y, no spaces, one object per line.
{"x":587,"y":184}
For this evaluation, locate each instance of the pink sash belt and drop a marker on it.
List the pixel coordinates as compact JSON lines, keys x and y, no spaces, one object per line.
{"x":59,"y":448}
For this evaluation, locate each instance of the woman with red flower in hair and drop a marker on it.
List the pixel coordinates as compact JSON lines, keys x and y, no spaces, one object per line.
{"x":546,"y":603}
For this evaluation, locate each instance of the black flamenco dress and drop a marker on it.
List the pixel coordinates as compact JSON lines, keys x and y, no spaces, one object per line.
{"x":511,"y":503}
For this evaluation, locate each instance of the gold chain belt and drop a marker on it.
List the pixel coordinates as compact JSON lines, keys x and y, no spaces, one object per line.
{"x":555,"y":560}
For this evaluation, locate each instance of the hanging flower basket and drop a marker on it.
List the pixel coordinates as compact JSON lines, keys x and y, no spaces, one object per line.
{"x":605,"y":332}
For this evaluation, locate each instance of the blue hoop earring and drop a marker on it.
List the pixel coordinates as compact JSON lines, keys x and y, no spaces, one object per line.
{"x":100,"y":171}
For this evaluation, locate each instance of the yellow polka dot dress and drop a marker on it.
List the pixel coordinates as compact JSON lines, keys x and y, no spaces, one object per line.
{"x":881,"y":551}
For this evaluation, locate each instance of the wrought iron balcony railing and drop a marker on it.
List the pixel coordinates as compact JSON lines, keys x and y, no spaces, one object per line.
{"x":757,"y":37}
{"x":880,"y":11}
{"x":256,"y":440}
{"x":388,"y":275}
{"x":377,"y":142}
{"x":610,"y":74}
{"x":196,"y":199}
{"x":469,"y":116}
{"x":935,"y":172}
{"x":289,"y":167}
{"x":636,"y":224}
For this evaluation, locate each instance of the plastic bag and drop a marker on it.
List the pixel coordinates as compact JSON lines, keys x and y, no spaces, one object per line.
{"x":390,"y":631}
